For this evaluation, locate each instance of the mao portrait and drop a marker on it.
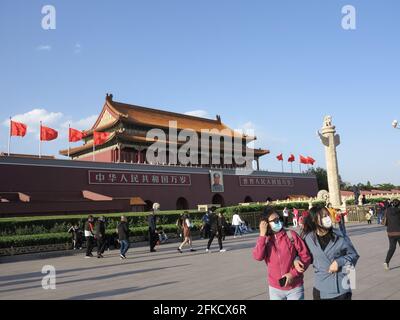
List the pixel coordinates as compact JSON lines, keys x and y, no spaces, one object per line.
{"x":217,"y":184}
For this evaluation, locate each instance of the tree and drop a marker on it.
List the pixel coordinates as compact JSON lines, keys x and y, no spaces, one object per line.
{"x":322,"y":177}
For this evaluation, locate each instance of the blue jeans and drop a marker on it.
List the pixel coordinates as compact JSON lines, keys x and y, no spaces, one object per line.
{"x":237,"y":228}
{"x":294,"y":294}
{"x":124,"y":246}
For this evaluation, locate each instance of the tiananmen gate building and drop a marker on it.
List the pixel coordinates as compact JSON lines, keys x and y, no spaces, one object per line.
{"x":118,"y":176}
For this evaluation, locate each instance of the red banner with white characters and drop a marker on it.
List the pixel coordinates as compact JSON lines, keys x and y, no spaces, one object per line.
{"x":138,"y":178}
{"x":249,"y":181}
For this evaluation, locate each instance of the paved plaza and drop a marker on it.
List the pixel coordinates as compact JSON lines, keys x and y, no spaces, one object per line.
{"x":167,"y":274}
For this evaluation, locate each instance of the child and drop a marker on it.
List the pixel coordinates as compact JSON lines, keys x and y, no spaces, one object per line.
{"x":76,"y":236}
{"x":368,"y":217}
{"x":295,"y":217}
{"x":162,"y":235}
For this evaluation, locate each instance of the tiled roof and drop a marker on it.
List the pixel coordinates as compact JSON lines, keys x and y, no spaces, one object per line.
{"x":156,"y":118}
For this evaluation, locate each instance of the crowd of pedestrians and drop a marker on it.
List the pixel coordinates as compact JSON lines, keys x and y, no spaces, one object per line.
{"x":318,"y":238}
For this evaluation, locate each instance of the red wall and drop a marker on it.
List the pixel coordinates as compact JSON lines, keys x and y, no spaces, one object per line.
{"x":47,"y":183}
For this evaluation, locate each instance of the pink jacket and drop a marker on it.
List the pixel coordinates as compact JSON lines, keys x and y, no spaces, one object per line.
{"x":279,"y":254}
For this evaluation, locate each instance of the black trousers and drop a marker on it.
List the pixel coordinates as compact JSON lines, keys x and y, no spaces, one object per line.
{"x":212,"y":236}
{"x":152,"y":239}
{"x":89,"y":245}
{"x":101,"y":245}
{"x":205,"y":233}
{"x":392,"y":247}
{"x":317,"y":296}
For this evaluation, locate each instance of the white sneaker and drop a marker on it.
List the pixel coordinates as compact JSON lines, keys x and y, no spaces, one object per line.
{"x":87,"y":257}
{"x":207,"y":250}
{"x":386,"y":266}
{"x":222,"y":250}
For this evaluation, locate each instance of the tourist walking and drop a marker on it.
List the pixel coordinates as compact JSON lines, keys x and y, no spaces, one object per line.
{"x":206,"y":226}
{"x":89,"y":235}
{"x":333,"y":256}
{"x":285,"y":255}
{"x":100,"y":234}
{"x":123,"y":236}
{"x":224,"y":224}
{"x":186,"y":226}
{"x":381,"y":212}
{"x":217,"y":222}
{"x":153,"y":237}
{"x":295,"y":217}
{"x":76,"y":236}
{"x":392,"y":222}
{"x":236,"y":223}
{"x":286,"y":217}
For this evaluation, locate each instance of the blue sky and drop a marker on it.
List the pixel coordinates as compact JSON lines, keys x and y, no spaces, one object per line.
{"x":275,"y":66}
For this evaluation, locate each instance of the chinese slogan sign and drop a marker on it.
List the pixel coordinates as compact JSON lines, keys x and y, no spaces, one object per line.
{"x":135,"y":178}
{"x":247,"y":181}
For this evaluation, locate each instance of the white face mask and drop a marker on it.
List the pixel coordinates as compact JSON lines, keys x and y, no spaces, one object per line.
{"x":327,"y":222}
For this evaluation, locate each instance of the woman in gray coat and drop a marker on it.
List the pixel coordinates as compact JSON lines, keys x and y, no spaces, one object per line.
{"x":333,"y":256}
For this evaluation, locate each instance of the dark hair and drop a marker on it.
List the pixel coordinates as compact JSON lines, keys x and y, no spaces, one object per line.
{"x":213,"y":208}
{"x":268,"y":212}
{"x":396,"y":203}
{"x":311,"y":220}
{"x":216,"y":174}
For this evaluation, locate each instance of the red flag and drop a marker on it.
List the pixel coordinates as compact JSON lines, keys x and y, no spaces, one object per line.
{"x":47,"y":134}
{"x":291,"y":158}
{"x":18,"y":129}
{"x":280,"y":157}
{"x":311,"y":160}
{"x":303,"y":160}
{"x":100,"y":137}
{"x":75,"y":135}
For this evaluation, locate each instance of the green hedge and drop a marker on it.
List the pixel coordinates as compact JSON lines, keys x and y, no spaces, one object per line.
{"x":229,"y":211}
{"x":64,"y":237}
{"x":60,"y":224}
{"x":369,"y":201}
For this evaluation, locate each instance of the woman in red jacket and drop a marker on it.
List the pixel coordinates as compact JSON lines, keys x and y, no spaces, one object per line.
{"x":286,"y":256}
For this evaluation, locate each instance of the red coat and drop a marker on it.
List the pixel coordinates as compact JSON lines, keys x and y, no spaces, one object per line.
{"x":279,"y":253}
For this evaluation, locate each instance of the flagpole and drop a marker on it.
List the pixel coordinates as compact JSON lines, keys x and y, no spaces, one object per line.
{"x":291,"y":166}
{"x":69,"y":142}
{"x":282,"y":165}
{"x":40,"y":140}
{"x":9,"y":139}
{"x":93,"y":149}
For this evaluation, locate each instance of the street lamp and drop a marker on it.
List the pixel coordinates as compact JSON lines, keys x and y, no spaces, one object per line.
{"x":395,"y":124}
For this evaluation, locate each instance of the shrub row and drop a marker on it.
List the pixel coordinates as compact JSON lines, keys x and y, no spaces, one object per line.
{"x":369,"y":201}
{"x":60,"y":224}
{"x":64,"y":237}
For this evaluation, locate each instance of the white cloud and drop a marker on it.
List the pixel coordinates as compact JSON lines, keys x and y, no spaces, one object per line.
{"x":77,"y":48}
{"x":82,"y":124}
{"x":45,"y":47}
{"x":32,"y":119}
{"x":197,"y":113}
